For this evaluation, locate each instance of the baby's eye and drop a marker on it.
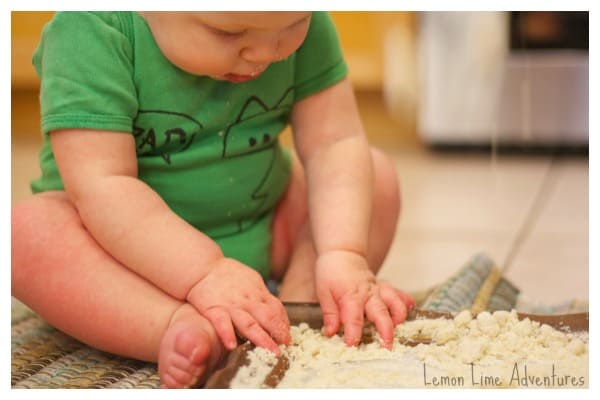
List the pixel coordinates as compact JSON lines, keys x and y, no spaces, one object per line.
{"x":227,"y":34}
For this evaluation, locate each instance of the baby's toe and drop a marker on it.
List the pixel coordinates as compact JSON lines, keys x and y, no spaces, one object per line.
{"x":184,"y":363}
{"x":181,"y":376}
{"x":194,"y":348}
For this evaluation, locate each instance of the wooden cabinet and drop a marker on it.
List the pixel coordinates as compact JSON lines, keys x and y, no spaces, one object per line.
{"x":26,"y":27}
{"x":367,"y":39}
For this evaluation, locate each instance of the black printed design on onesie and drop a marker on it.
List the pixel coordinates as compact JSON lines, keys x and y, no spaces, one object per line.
{"x":255,"y":130}
{"x":164,"y":133}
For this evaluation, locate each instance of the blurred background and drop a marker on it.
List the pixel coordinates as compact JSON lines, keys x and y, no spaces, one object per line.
{"x":485,"y":115}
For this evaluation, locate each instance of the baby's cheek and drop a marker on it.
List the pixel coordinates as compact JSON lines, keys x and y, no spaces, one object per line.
{"x":286,"y":49}
{"x":202,"y":59}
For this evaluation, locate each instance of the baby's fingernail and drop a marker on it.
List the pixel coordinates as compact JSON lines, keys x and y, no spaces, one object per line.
{"x":385,"y":343}
{"x":353,"y":342}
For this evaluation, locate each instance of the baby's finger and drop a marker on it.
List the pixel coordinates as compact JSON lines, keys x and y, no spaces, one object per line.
{"x":329,"y":309}
{"x":249,"y":327}
{"x":221,"y":321}
{"x":406,"y":298}
{"x":352,"y":317}
{"x":394,"y":301}
{"x":377,"y":313}
{"x":271,"y":315}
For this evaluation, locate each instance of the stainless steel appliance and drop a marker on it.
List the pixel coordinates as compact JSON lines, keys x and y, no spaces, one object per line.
{"x":506,"y":78}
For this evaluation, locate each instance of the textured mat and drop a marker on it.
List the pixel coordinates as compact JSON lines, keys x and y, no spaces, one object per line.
{"x":43,"y":357}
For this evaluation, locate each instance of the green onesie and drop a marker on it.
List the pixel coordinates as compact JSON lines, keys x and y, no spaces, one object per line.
{"x":209,"y":148}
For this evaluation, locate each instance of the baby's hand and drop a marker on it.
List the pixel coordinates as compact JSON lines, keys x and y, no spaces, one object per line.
{"x":347,"y":290}
{"x":234,"y":295}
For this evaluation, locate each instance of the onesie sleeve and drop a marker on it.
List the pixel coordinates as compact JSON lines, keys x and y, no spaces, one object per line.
{"x":85,"y":64}
{"x":319,"y":61}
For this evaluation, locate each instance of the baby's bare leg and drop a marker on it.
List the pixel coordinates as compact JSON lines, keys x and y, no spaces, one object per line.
{"x":62,"y":273}
{"x":298,"y":274}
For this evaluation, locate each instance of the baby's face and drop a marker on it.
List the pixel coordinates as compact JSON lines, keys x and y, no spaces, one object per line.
{"x":232,"y":46}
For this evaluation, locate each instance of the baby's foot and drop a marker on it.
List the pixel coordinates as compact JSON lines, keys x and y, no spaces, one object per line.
{"x":189,"y":350}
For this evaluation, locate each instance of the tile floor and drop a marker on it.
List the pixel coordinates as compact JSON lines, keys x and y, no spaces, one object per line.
{"x":529,"y":213}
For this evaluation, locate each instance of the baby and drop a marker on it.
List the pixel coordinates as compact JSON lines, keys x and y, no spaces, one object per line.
{"x":166,"y":201}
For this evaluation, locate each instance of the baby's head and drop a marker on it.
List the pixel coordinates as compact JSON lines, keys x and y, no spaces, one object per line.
{"x":233,"y":46}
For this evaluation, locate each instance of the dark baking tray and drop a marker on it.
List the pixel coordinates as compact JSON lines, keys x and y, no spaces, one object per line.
{"x":311,"y":314}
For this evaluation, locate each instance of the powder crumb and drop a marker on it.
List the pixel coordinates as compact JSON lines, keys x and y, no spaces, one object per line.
{"x":577,"y":347}
{"x":444,"y":333}
{"x":487,"y":324}
{"x":463,"y":318}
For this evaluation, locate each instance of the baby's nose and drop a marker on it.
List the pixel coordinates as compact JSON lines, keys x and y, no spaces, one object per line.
{"x":264,"y":50}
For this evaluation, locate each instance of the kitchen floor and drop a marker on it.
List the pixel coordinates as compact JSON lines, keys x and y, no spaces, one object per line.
{"x":529,"y":213}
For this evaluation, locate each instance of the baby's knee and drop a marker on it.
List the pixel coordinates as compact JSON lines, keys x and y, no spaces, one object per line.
{"x":35,"y":222}
{"x":22,"y":226}
{"x":25,"y":217}
{"x":386,"y":183}
{"x":32,"y":215}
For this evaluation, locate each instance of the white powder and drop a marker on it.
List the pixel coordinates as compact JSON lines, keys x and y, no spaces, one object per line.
{"x":261,"y":362}
{"x":492,"y":350}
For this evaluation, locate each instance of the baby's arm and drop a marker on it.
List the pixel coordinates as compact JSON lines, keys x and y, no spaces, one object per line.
{"x":332,"y":145}
{"x":134,"y":225}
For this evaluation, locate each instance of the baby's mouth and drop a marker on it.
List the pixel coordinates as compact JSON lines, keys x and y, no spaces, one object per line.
{"x":237,"y":78}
